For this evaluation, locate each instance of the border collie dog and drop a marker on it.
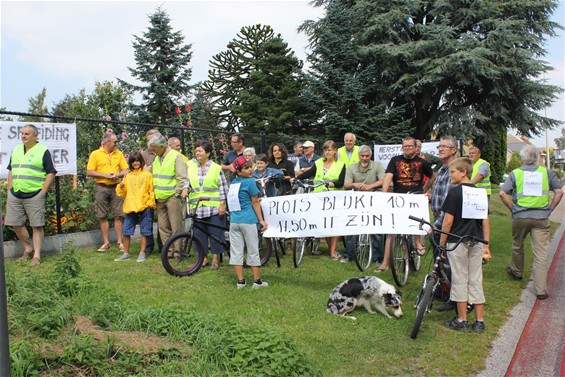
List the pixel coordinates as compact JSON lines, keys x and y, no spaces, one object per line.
{"x":366,"y":291}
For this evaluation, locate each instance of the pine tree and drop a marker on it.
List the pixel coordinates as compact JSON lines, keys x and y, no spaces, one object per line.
{"x":162,"y":61}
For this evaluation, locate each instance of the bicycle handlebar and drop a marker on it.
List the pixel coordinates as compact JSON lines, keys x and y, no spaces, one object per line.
{"x":461,"y":238}
{"x":308,"y":183}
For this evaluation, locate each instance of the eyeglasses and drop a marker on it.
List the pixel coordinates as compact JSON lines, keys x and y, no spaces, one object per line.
{"x":445,"y":146}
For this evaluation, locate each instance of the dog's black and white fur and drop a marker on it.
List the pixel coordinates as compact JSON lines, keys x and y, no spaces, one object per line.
{"x":366,"y":291}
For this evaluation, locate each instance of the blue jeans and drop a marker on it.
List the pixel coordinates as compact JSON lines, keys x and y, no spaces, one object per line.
{"x":378,"y":247}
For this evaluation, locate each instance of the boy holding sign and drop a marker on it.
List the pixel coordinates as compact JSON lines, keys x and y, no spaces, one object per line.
{"x":245,"y":213}
{"x":466,"y":213}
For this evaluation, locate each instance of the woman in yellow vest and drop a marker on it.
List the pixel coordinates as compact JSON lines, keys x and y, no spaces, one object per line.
{"x":328,"y":169}
{"x":206,"y":180}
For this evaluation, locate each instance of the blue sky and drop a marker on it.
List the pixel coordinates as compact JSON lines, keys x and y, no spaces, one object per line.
{"x":69,"y":45}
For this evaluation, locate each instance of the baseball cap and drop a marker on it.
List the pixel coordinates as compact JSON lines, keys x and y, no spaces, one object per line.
{"x":307,"y":144}
{"x":238,"y":162}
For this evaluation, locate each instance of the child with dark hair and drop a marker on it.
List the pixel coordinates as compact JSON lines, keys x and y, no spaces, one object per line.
{"x":261,"y":170}
{"x":245,"y":213}
{"x":139,"y":203}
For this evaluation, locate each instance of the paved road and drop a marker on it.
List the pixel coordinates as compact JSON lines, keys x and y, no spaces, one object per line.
{"x":531,"y":343}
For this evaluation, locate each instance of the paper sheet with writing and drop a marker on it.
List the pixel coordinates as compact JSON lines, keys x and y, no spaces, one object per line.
{"x":532,"y":183}
{"x":59,"y":138}
{"x":475,"y":203}
{"x":233,"y":197}
{"x":341,"y":213}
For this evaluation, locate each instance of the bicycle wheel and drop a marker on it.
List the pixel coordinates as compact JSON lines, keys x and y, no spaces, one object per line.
{"x":300,"y":245}
{"x":399,"y":264}
{"x":424,"y":305}
{"x":265,"y":249}
{"x":363,"y":251}
{"x":185,"y":260}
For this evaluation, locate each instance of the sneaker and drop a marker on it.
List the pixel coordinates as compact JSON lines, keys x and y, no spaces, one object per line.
{"x":479,"y":326}
{"x":141,"y":258}
{"x":457,"y":325}
{"x":446,"y":306}
{"x":121,"y":247}
{"x":241,"y":284}
{"x":104,"y":247}
{"x":263,"y":284}
{"x":122,"y":257}
{"x":345,"y":260}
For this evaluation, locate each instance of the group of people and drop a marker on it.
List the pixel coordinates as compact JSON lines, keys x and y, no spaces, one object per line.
{"x":159,"y":178}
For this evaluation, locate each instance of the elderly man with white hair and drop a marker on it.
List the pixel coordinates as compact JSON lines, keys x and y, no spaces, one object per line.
{"x":526,"y":194}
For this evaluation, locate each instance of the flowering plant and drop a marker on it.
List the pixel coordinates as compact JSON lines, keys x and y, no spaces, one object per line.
{"x":185,"y":120}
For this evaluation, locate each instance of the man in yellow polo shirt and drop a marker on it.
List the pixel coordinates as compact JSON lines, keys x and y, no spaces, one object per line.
{"x":169,"y":177}
{"x":108,"y":166}
{"x":349,"y":153}
{"x":31,"y":172}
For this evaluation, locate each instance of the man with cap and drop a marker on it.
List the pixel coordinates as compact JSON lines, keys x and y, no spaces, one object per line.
{"x":308,"y":158}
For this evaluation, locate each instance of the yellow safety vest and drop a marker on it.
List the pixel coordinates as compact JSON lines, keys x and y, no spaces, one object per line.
{"x":331,"y":175}
{"x":210,"y":186}
{"x":164,"y":175}
{"x":527,"y":201}
{"x":485,"y":183}
{"x":342,"y":152}
{"x":28,"y":172}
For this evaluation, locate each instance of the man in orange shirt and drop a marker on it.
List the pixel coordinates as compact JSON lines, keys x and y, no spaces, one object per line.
{"x":108,"y":166}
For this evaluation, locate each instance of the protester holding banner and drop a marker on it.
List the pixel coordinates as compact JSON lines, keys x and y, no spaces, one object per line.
{"x":31,"y":172}
{"x":406,"y":172}
{"x":108,"y":166}
{"x":328,"y":169}
{"x":365,"y":175}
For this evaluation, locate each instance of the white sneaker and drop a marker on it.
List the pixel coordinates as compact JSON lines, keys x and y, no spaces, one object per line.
{"x":241,"y":285}
{"x":141,"y":257}
{"x":262,"y":285}
{"x":122,"y":257}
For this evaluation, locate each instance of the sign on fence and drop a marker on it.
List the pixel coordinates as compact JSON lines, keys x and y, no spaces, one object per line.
{"x":342,"y":213}
{"x":383,"y":153}
{"x":60,"y":138}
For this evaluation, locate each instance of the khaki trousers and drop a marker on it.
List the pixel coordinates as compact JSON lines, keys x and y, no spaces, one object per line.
{"x":539,"y":233}
{"x":169,"y":217}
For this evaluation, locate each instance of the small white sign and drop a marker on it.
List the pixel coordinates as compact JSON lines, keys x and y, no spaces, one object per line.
{"x":475,"y":203}
{"x":532,"y":183}
{"x":233,"y":197}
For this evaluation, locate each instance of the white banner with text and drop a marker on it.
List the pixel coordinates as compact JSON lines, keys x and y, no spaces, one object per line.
{"x":342,"y":213}
{"x":383,"y":153}
{"x":59,"y":138}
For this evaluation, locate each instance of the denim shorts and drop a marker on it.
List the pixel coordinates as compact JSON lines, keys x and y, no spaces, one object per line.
{"x":145,"y":220}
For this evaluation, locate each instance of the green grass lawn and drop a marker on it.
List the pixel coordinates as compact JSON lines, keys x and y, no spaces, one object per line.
{"x":294,"y":305}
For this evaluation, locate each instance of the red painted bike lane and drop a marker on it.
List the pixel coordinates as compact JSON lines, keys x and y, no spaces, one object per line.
{"x":540,"y":350}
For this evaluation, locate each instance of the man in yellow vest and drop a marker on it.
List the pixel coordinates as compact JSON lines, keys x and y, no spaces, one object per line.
{"x":349,"y":153}
{"x":107,"y":165}
{"x":31,"y":172}
{"x":481,"y":170}
{"x":526,"y":194}
{"x":169,"y":177}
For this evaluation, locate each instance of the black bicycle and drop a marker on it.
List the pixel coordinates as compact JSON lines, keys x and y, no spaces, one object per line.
{"x":183,"y":254}
{"x":277,"y":243}
{"x":424,"y":300}
{"x":301,"y":244}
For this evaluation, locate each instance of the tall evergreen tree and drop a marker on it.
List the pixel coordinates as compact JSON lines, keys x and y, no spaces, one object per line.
{"x":162,"y":61}
{"x":255,"y":84}
{"x":461,"y":67}
{"x":36,"y":106}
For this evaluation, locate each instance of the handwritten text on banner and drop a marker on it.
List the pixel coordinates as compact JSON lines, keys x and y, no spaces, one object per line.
{"x":341,"y":213}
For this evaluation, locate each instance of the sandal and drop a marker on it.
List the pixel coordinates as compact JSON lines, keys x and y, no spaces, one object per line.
{"x":421,"y":251}
{"x":335,"y":257}
{"x":26,"y":256}
{"x":35,"y":261}
{"x":380,"y":269}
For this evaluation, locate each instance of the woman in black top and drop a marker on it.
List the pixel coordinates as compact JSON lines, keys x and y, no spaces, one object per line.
{"x":278,"y":159}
